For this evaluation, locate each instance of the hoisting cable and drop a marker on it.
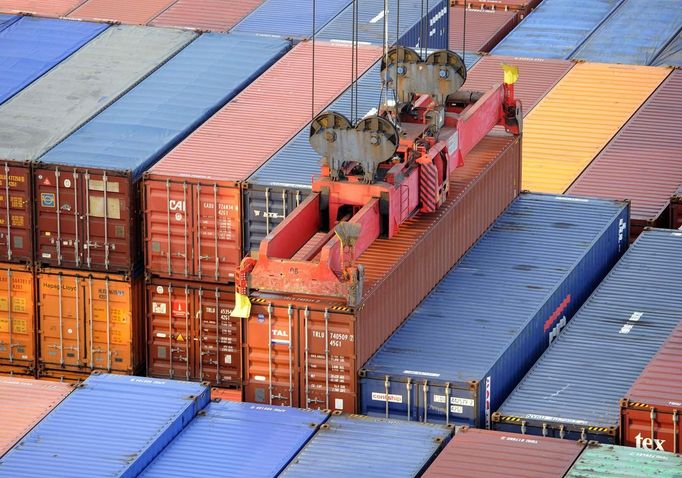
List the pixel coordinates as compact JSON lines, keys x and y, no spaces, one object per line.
{"x":464,"y":34}
{"x":357,"y":55}
{"x":385,"y":43}
{"x":352,"y":65}
{"x":312,"y":96}
{"x":428,"y":31}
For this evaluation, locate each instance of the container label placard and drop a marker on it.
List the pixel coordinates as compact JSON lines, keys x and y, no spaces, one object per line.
{"x":382,"y":397}
{"x":47,"y":199}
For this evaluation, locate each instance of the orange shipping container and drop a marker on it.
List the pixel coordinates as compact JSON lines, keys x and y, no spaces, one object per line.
{"x":123,"y":11}
{"x":23,"y":403}
{"x":42,"y":8}
{"x":89,"y":321}
{"x":17,"y":320}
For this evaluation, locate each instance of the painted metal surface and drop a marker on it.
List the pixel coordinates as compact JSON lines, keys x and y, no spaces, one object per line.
{"x":122,"y":11}
{"x":604,"y":461}
{"x":53,"y":8}
{"x":355,"y":445}
{"x":642,"y":161}
{"x":555,"y":29}
{"x":636,"y":33}
{"x":7,"y":20}
{"x":201,"y":238}
{"x":290,"y":18}
{"x":213,"y":15}
{"x":524,"y":7}
{"x":30,"y":47}
{"x":17,"y":320}
{"x":466,"y":346}
{"x":574,"y":389}
{"x":676,"y":209}
{"x":224,"y":436}
{"x":484,"y":28}
{"x":484,"y":453}
{"x":23,"y":403}
{"x":671,"y":54}
{"x":111,"y":425}
{"x":578,"y":117}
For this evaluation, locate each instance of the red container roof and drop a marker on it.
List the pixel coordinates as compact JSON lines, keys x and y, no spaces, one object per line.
{"x":125,"y":11}
{"x":214,"y":15}
{"x":484,"y":28}
{"x":43,"y":8}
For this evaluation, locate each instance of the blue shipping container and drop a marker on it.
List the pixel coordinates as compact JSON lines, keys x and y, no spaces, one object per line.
{"x":139,"y":128}
{"x":465,"y":347}
{"x":111,"y":425}
{"x":671,"y":54}
{"x":356,"y":446}
{"x":222,"y":441}
{"x":290,"y":18}
{"x":574,"y":390}
{"x":635,"y":33}
{"x":556,"y":28}
{"x":7,"y":20}
{"x":30,"y":47}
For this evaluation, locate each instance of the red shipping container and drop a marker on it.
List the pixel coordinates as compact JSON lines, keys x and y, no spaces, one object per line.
{"x":650,"y":413}
{"x":490,"y":454}
{"x":676,"y":209}
{"x":122,"y":11}
{"x":16,"y":213}
{"x":484,"y":29}
{"x":306,"y":351}
{"x":524,"y":7}
{"x":191,"y":335}
{"x":213,"y":15}
{"x":192,"y":196}
{"x":41,"y":8}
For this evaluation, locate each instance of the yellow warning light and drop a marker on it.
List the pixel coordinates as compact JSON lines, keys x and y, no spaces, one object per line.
{"x":511,"y":73}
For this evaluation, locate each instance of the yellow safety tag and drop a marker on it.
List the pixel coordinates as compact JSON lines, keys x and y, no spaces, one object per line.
{"x":511,"y":73}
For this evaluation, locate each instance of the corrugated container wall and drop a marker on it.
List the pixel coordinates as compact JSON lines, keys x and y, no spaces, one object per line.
{"x":636,"y":33}
{"x":650,"y":411}
{"x":672,"y":54}
{"x":574,"y":389}
{"x":642,"y":162}
{"x":193,"y":197}
{"x":92,"y":174}
{"x":17,"y":320}
{"x":484,"y":453}
{"x":224,"y":436}
{"x":213,"y":15}
{"x":121,"y":11}
{"x":23,"y":403}
{"x":524,"y":7}
{"x":354,"y":445}
{"x":485,"y":324}
{"x":53,"y":8}
{"x":604,"y":461}
{"x":573,"y":123}
{"x":307,"y":351}
{"x":484,"y":28}
{"x":555,"y":29}
{"x":110,"y":425}
{"x":676,"y":209}
{"x":7,"y":20}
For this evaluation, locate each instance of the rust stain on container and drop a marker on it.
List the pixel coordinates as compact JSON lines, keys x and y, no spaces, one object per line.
{"x":484,"y":28}
{"x":43,"y":8}
{"x":124,"y":11}
{"x":17,"y":320}
{"x":214,"y":15}
{"x":306,"y":351}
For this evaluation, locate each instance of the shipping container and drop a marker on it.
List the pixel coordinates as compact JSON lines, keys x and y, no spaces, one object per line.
{"x":212,"y":15}
{"x":110,"y":425}
{"x":87,"y":188}
{"x":30,"y":47}
{"x":636,"y":33}
{"x":227,"y":394}
{"x":42,"y":8}
{"x":608,"y":461}
{"x":556,"y":29}
{"x":306,"y":351}
{"x":415,"y":24}
{"x":290,"y":18}
{"x":574,"y":390}
{"x":671,"y":54}
{"x":17,"y":320}
{"x":466,"y":346}
{"x":524,"y":7}
{"x":476,"y":453}
{"x":225,"y":439}
{"x":7,"y":20}
{"x":676,"y":209}
{"x":192,"y":196}
{"x":23,"y":403}
{"x":578,"y":117}
{"x":650,"y":412}
{"x":121,"y":11}
{"x":642,"y":161}
{"x":191,"y":335}
{"x":483,"y":28}
{"x":355,"y":445}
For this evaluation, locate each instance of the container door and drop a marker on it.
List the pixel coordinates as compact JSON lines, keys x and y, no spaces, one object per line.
{"x":169,"y":228}
{"x":328,"y":369}
{"x":58,"y":218}
{"x":272,"y":370}
{"x":170,"y":331}
{"x":218,"y":240}
{"x":17,"y":326}
{"x":16,"y":229}
{"x":219,"y":338}
{"x":650,"y":428}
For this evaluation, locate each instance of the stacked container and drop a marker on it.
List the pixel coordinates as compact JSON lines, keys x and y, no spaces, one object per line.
{"x":122,"y":11}
{"x":604,"y":461}
{"x":53,"y":8}
{"x":212,"y":15}
{"x":523,"y":7}
{"x":483,"y":28}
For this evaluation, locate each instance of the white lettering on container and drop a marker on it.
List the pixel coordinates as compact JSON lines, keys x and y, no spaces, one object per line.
{"x":456,"y":409}
{"x":423,"y":374}
{"x":634,"y":318}
{"x":381,"y":397}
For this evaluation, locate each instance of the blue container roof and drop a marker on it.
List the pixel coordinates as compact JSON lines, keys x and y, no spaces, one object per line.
{"x":290,"y":18}
{"x":111,"y":425}
{"x":356,"y":445}
{"x":139,"y":128}
{"x":471,"y":317}
{"x":582,"y":376}
{"x":635,"y":33}
{"x":223,"y":439}
{"x":7,"y":20}
{"x":555,"y":29}
{"x":671,"y":54}
{"x":29,"y":47}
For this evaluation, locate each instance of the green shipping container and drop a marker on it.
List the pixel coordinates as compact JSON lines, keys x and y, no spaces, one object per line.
{"x":609,"y":461}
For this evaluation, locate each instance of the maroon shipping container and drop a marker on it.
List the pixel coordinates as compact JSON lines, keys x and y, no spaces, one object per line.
{"x":306,"y":351}
{"x":650,"y":413}
{"x":524,"y":7}
{"x":16,"y":213}
{"x":214,"y":15}
{"x":192,"y":196}
{"x":642,"y":162}
{"x":484,"y":29}
{"x":676,"y":209}
{"x":484,"y":453}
